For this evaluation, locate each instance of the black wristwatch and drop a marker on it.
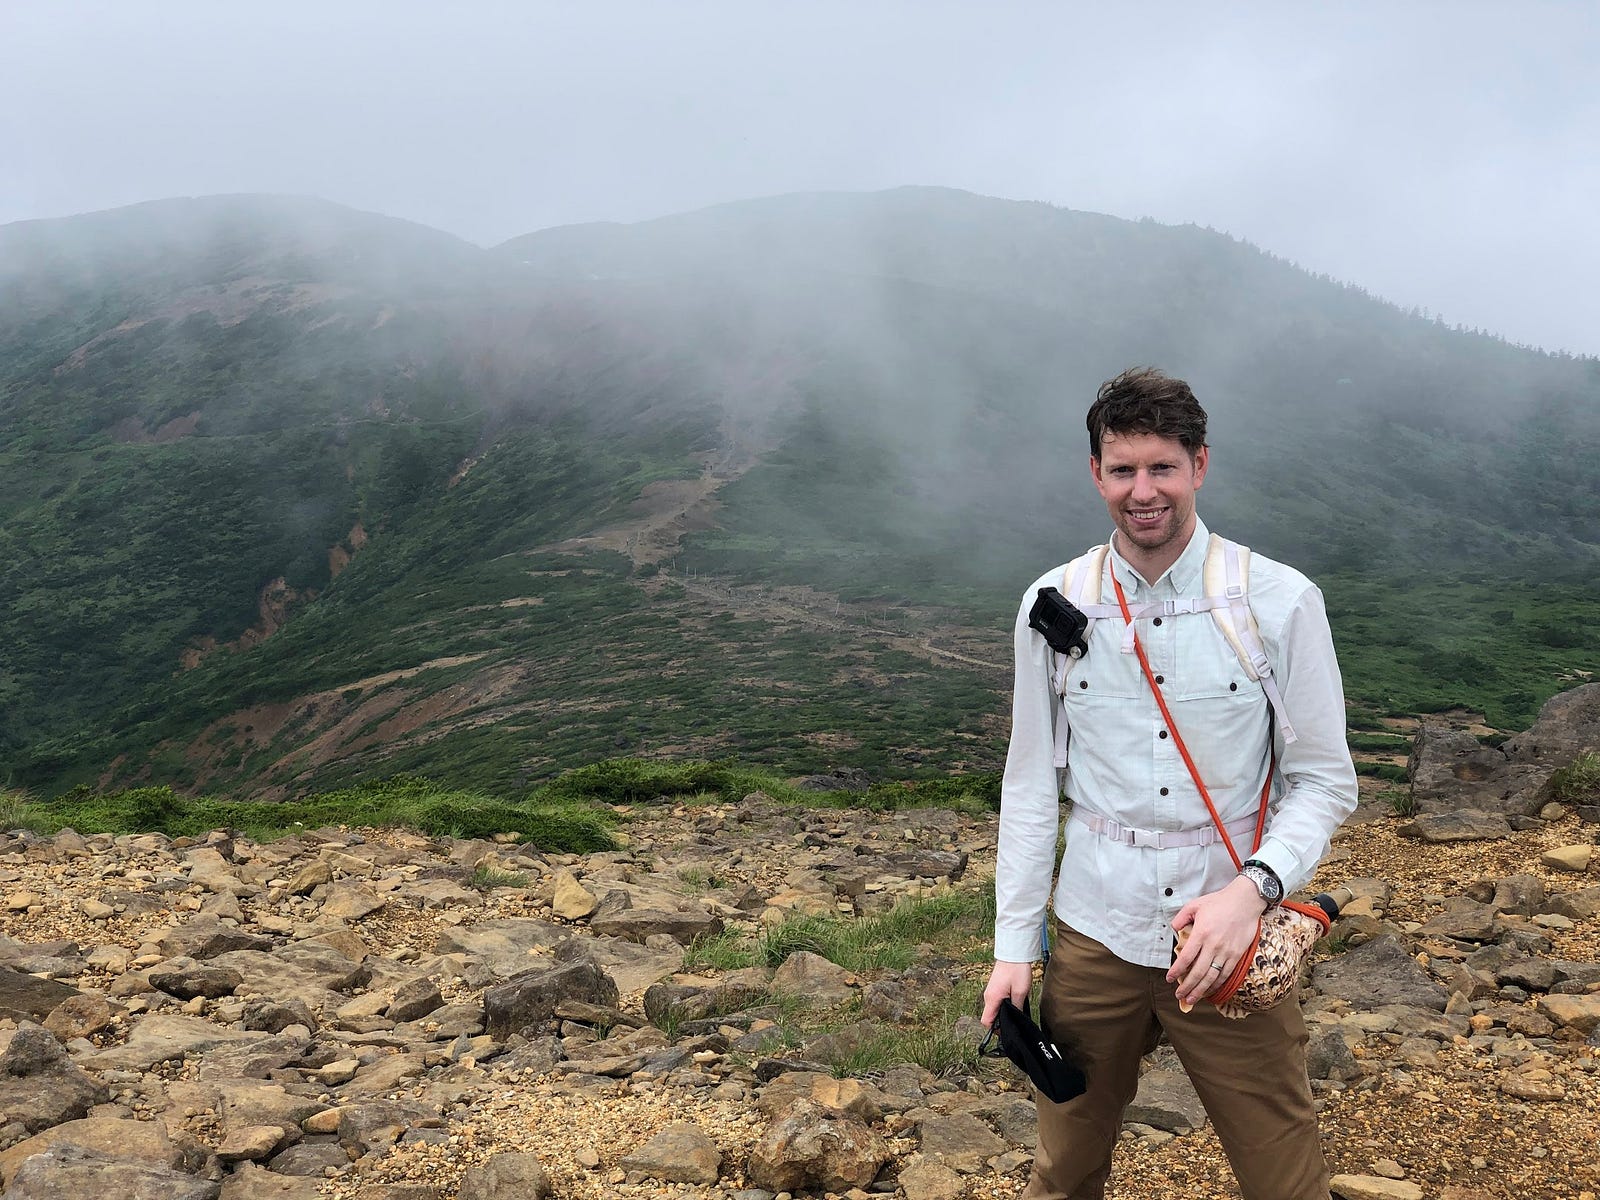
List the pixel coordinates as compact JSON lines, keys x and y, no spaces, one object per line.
{"x":1265,"y":879}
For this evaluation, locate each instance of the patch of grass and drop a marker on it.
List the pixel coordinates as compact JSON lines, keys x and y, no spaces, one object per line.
{"x":16,"y":810}
{"x":1401,"y":802}
{"x":885,"y":941}
{"x":726,"y":951}
{"x":1379,"y":742}
{"x":928,"y":1040}
{"x":1393,"y":772}
{"x":566,"y":827}
{"x":485,"y":878}
{"x":700,"y":879}
{"x":785,"y":1009}
{"x":940,"y":1050}
{"x":636,"y":781}
{"x":1579,"y":780}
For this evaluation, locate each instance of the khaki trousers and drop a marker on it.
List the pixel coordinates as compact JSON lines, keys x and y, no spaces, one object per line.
{"x":1250,"y":1074}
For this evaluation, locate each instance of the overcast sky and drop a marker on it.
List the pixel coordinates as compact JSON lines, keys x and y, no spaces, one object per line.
{"x":1444,"y":155}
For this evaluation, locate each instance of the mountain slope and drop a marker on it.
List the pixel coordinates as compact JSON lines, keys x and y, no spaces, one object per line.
{"x":293,"y":494}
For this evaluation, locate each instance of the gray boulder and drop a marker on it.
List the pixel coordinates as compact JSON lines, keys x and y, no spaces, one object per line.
{"x":679,"y":1153}
{"x":160,"y":1038}
{"x":414,"y":999}
{"x":508,"y":946}
{"x":960,"y":1141}
{"x":141,"y":1143}
{"x":815,"y":1147}
{"x":186,"y":983}
{"x":39,"y":1085}
{"x":250,"y":1182}
{"x":616,"y":917}
{"x":1462,"y":825}
{"x":1568,"y":725}
{"x":1450,"y":769}
{"x":1464,"y":920}
{"x":1377,"y":973}
{"x":528,"y":1000}
{"x":206,"y":937}
{"x":506,"y":1176}
{"x":71,"y":1173}
{"x":26,"y":997}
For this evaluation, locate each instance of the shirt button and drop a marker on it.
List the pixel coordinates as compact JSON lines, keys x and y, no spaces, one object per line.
{"x":1163,"y":791}
{"x":1157,"y":621}
{"x":1161,"y":678}
{"x":1233,"y":687}
{"x":1162,"y":734}
{"x":1083,"y":683}
{"x":1169,"y":891}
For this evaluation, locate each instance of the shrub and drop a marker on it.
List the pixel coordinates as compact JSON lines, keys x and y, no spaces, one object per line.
{"x":485,"y":878}
{"x":15,"y":810}
{"x":1579,"y":780}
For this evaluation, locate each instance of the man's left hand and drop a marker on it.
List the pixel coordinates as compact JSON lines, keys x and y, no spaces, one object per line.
{"x":1224,"y":926}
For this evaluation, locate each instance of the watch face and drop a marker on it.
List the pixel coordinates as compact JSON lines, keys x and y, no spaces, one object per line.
{"x":1266,"y":882}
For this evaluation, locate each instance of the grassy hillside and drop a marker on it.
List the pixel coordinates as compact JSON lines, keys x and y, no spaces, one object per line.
{"x":294,"y":497}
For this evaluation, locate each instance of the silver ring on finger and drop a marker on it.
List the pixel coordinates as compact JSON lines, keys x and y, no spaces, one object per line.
{"x":1216,"y":966}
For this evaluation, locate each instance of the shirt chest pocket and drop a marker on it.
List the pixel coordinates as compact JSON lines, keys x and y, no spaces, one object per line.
{"x":1193,"y":663}
{"x":1218,"y":709}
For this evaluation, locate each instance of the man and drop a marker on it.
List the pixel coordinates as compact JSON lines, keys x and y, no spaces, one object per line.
{"x":1113,"y":983}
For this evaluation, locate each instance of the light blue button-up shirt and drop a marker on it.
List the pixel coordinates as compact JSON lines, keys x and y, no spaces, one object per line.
{"x":1121,"y":765}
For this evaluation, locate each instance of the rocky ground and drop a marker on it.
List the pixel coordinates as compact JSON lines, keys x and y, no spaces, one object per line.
{"x":361,"y":1013}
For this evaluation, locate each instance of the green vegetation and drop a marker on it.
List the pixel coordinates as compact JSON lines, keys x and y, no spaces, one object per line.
{"x":557,"y":825}
{"x":16,"y":810}
{"x":1401,"y":801}
{"x":424,"y":442}
{"x":488,"y":878}
{"x":628,"y":781}
{"x":927,"y":1040}
{"x":1392,"y":772}
{"x":1482,"y":647}
{"x":1579,"y":781}
{"x":729,"y":950}
{"x":700,"y":880}
{"x":886,"y":941}
{"x":1393,"y":743}
{"x":956,"y":924}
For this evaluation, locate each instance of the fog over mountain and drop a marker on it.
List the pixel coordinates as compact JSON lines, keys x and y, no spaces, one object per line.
{"x":1439,"y":153}
{"x":295,"y":493}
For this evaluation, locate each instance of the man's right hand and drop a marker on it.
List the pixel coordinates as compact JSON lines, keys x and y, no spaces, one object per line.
{"x":1008,"y":979}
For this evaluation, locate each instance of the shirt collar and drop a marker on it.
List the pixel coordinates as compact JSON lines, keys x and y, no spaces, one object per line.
{"x":1182,"y":572}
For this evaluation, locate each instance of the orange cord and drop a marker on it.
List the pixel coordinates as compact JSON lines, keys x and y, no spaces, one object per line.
{"x":1194,"y":771}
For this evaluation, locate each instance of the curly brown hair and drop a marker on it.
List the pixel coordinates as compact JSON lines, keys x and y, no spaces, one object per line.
{"x":1145,"y":400}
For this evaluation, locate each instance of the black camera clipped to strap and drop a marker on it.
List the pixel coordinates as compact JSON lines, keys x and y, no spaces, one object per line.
{"x":1061,"y":623}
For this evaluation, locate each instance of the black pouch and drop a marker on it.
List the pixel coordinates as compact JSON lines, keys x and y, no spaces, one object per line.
{"x":1058,"y":1073}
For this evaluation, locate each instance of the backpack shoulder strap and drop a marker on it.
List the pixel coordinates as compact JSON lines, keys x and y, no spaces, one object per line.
{"x":1226,"y":577}
{"x":1081,"y":581}
{"x":1081,"y":584}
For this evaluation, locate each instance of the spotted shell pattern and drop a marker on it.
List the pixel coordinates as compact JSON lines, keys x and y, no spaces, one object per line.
{"x":1286,"y":937}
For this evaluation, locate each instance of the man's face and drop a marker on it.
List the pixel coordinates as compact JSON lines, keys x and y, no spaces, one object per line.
{"x":1148,"y":484}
